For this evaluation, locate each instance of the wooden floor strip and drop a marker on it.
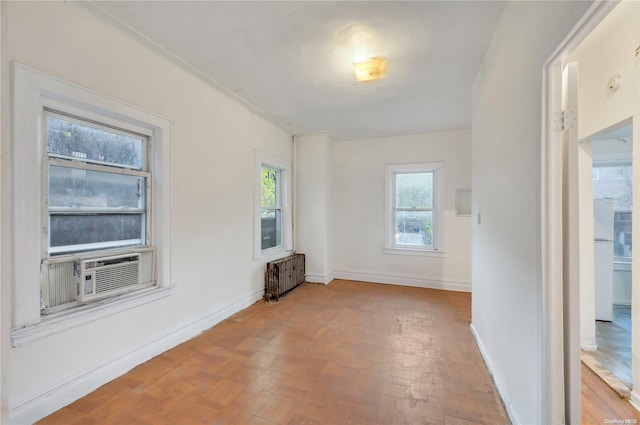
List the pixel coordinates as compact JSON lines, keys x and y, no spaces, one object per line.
{"x":590,"y":361}
{"x":602,"y":405}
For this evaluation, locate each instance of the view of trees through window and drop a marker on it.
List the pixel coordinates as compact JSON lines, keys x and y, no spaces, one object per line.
{"x":414,"y":202}
{"x":271,"y":208}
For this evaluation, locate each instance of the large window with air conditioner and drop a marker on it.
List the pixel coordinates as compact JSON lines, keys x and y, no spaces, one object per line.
{"x":91,"y":205}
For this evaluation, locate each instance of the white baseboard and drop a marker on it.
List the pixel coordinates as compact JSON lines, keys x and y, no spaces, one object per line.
{"x":446,"y":285}
{"x":635,"y":400}
{"x":496,"y":380}
{"x":47,"y":401}
{"x":589,"y":347}
{"x":319,"y":278}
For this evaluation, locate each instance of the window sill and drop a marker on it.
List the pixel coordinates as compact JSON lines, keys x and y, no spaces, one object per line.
{"x":273,"y":252}
{"x":69,"y":319}
{"x":621,"y":266}
{"x":412,"y":251}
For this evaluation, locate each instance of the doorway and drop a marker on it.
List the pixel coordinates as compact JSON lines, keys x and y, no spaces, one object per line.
{"x":608,"y":104}
{"x":610,"y":311}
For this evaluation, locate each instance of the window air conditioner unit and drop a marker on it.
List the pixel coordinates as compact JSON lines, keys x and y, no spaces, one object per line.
{"x":107,"y":276}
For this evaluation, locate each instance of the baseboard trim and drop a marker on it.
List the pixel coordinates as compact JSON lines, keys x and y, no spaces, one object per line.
{"x":634,"y":400}
{"x":589,"y":347}
{"x":496,"y":381}
{"x":325,"y":279}
{"x":44,"y":403}
{"x":446,"y":285}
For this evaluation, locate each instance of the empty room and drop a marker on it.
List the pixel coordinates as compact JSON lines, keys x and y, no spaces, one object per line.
{"x":314,"y":212}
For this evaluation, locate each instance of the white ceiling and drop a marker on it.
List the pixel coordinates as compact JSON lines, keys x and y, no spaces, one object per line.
{"x":293,"y":60}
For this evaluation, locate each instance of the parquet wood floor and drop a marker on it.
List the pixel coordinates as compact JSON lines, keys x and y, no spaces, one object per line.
{"x":601,"y":405}
{"x":347,"y":353}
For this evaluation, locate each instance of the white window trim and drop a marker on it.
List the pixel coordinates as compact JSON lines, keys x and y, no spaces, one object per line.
{"x":34,"y":91}
{"x":390,"y":246}
{"x":267,"y":160}
{"x":55,"y":160}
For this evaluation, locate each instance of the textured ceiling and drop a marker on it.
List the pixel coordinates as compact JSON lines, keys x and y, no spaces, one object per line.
{"x":293,"y":60}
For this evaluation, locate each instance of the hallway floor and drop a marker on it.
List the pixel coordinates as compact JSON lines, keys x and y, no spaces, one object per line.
{"x":614,"y":343}
{"x":347,"y":353}
{"x":601,"y":405}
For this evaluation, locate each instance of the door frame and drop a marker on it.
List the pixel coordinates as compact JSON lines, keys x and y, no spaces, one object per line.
{"x":555,"y":410}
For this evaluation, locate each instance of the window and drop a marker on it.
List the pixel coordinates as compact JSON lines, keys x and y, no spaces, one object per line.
{"x":616,"y":181}
{"x":98,"y":186}
{"x":273,"y":205}
{"x":413,"y":216}
{"x":83,"y":169}
{"x":271,"y":208}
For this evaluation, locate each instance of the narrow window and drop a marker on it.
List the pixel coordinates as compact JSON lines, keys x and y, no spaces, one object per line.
{"x":273,"y":227}
{"x":414,"y":209}
{"x":271,"y":208}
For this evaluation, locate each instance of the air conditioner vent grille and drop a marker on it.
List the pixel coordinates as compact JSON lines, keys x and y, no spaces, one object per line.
{"x":112,"y":278}
{"x":103,"y":277}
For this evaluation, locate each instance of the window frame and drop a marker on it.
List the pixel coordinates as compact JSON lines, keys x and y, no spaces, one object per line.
{"x":276,"y":207}
{"x":50,"y":160}
{"x":607,"y":163}
{"x":390,"y":245}
{"x":33,"y":93}
{"x":265,"y":160}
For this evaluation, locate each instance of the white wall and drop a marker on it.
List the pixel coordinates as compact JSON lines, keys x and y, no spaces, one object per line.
{"x":506,"y":170}
{"x":607,"y":52}
{"x":213,"y":142}
{"x":313,"y":184}
{"x":358,"y":210}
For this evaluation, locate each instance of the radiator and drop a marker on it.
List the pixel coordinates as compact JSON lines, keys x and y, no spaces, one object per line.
{"x":283,"y":275}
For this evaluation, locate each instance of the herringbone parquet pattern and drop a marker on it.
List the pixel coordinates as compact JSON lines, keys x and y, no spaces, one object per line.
{"x":347,"y":353}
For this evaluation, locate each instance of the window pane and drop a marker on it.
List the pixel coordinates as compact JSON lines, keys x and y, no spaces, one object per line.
{"x":79,"y":188}
{"x":414,"y":228}
{"x":69,"y":230}
{"x":93,"y":144}
{"x":617,"y":182}
{"x":270,"y":187}
{"x":271,"y":228}
{"x":622,"y":234}
{"x":414,"y":190}
{"x":614,"y":182}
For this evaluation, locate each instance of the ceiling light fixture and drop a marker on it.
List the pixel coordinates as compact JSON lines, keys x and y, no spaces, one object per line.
{"x":370,"y":69}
